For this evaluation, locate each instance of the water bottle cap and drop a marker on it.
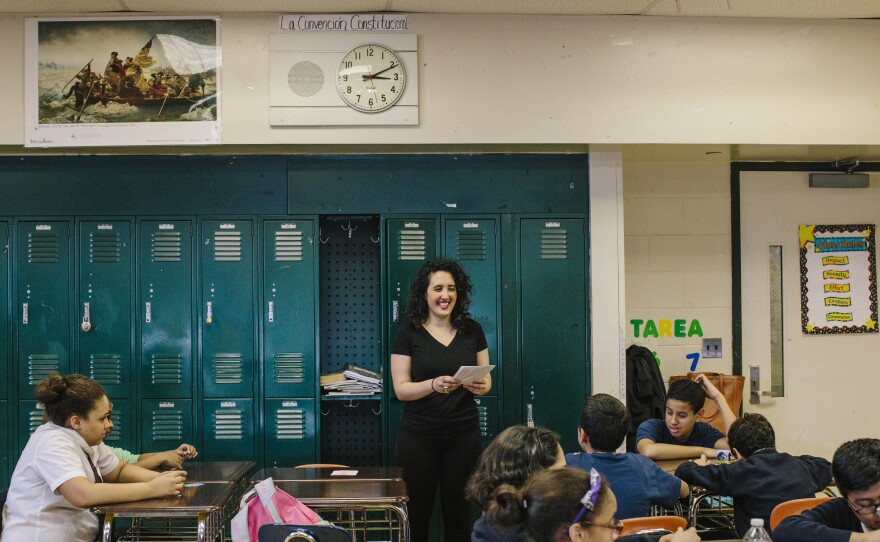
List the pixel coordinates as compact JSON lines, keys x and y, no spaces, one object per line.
{"x":757,"y":522}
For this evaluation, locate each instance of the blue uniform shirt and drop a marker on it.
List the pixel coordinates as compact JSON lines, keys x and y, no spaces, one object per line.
{"x":703,"y":434}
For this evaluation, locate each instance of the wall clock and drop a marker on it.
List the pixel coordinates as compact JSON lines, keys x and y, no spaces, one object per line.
{"x":308,"y":85}
{"x":371,"y":78}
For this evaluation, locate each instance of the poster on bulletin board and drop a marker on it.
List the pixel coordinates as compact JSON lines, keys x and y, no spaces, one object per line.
{"x":838,"y":268}
{"x":122,"y":81}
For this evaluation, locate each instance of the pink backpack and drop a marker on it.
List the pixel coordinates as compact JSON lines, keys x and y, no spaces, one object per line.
{"x":273,"y":505}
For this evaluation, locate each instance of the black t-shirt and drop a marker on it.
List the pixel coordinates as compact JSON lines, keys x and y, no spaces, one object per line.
{"x":455,"y":411}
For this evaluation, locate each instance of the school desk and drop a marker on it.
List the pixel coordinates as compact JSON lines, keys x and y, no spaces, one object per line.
{"x":351,"y":474}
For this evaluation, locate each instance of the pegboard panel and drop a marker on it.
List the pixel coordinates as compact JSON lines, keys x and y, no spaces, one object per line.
{"x":350,"y":292}
{"x":351,"y":433}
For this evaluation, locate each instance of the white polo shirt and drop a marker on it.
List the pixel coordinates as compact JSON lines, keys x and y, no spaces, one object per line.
{"x":34,"y":509}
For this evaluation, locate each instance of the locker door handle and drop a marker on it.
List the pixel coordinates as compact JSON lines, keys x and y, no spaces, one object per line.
{"x":271,"y":311}
{"x":395,"y":311}
{"x":86,"y":325}
{"x":530,"y":420}
{"x":148,"y":312}
{"x":209,"y":317}
{"x":24,"y":314}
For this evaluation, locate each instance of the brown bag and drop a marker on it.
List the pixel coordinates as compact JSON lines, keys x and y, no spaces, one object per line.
{"x":731,"y":386}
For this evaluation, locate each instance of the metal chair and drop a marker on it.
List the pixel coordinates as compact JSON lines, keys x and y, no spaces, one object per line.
{"x":280,"y":532}
{"x":321,"y":466}
{"x":792,"y":508}
{"x":653,"y":523}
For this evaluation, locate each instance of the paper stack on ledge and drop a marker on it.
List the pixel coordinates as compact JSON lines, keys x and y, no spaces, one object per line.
{"x":352,"y":380}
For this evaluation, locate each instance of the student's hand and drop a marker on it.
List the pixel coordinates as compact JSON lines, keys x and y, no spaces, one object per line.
{"x":682,"y":536}
{"x":171,"y":459}
{"x":168,"y":484}
{"x":187,"y":451}
{"x":701,"y":461}
{"x":711,"y":391}
{"x":445,"y":384}
{"x":477,"y":387}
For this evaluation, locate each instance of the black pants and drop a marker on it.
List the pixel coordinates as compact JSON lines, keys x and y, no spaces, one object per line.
{"x":444,"y":458}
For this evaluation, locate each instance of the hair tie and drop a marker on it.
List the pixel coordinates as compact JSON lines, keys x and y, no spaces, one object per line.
{"x":591,"y":497}
{"x":525,"y":504}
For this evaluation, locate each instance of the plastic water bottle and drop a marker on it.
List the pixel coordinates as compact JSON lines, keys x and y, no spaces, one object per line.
{"x":757,"y":532}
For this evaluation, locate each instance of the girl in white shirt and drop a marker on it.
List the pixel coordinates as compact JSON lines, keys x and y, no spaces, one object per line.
{"x":66,"y":468}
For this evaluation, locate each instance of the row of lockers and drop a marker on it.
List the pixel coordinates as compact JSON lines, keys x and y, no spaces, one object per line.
{"x":204,"y":329}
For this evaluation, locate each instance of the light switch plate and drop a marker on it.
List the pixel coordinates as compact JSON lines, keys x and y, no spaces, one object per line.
{"x":711,"y":348}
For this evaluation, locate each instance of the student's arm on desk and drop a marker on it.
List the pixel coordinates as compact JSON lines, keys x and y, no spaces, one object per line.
{"x":655,"y":451}
{"x":700,"y":473}
{"x":831,"y":521}
{"x":82,"y":493}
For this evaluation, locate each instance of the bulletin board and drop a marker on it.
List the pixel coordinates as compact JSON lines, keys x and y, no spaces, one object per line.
{"x":838,"y":269}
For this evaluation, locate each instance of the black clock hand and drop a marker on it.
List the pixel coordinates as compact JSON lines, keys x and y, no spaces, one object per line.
{"x":393,"y":65}
{"x":374,"y":77}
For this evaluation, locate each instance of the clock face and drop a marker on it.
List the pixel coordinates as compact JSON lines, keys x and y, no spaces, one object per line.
{"x":370,"y":78}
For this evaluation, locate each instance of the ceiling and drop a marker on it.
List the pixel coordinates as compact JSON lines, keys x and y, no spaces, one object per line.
{"x":787,"y":9}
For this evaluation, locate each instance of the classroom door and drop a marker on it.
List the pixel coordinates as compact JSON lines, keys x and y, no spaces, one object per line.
{"x":553,"y":323}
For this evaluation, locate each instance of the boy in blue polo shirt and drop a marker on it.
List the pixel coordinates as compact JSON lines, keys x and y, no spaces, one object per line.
{"x":681,"y":435}
{"x":638,"y":482}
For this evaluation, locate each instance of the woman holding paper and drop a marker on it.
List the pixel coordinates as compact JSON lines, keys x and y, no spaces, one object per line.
{"x":439,"y":438}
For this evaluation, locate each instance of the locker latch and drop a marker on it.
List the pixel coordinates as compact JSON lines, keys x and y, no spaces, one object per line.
{"x":24,"y":313}
{"x":86,"y":323}
{"x":395,"y":311}
{"x":530,"y":420}
{"x":209,"y":315}
{"x":148,"y":312}
{"x":271,"y":311}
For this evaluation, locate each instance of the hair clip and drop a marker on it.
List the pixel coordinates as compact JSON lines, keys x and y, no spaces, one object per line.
{"x":591,"y":497}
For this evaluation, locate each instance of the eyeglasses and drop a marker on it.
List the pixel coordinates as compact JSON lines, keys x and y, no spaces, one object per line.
{"x":616,"y":525}
{"x":865,"y":510}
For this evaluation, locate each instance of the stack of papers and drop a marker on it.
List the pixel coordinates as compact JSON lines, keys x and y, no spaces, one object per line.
{"x":352,"y":380}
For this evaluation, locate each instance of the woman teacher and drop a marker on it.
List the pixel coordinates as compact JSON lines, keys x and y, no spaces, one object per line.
{"x":439,"y":439}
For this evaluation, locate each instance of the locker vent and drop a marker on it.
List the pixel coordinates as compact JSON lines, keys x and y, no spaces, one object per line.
{"x":35,"y":419}
{"x":166,"y":246}
{"x":471,"y":245}
{"x":289,"y":368}
{"x":227,"y":246}
{"x":119,"y":428}
{"x":228,"y":369}
{"x":554,"y":244}
{"x":228,"y":424}
{"x":106,"y":369}
{"x":288,"y":246}
{"x":411,"y":245}
{"x":167,"y":424}
{"x":482,"y":412}
{"x":43,"y":247}
{"x":166,"y":370}
{"x":290,"y":424}
{"x":104,"y":247}
{"x":39,"y":367}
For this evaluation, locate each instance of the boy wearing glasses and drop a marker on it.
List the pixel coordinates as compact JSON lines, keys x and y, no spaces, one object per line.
{"x":853,"y":517}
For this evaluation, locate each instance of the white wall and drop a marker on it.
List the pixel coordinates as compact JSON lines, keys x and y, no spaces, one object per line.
{"x":574,"y":80}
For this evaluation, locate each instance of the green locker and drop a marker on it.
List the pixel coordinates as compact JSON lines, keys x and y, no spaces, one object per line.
{"x":290,"y":432}
{"x":487,"y":408}
{"x":5,"y":466}
{"x":553,"y":314}
{"x":30,"y":416}
{"x":166,"y":424}
{"x":288,"y":308}
{"x":410,"y":243}
{"x":104,"y":305}
{"x":227,"y":308}
{"x":4,"y":325}
{"x":228,"y":426}
{"x":165,"y":309}
{"x":42,"y":302}
{"x":122,"y":435}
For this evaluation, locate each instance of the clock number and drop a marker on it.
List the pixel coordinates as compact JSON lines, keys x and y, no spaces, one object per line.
{"x":348,"y":64}
{"x":396,"y":75}
{"x":357,"y":55}
{"x":358,"y":98}
{"x":383,"y":99}
{"x":370,"y":102}
{"x":348,"y":89}
{"x":370,"y":51}
{"x":394,"y":90}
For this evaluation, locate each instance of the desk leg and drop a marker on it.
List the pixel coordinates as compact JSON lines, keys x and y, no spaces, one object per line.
{"x":107,"y":531}
{"x":403,"y":518}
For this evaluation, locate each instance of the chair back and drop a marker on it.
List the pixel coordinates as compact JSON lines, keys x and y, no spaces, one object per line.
{"x":321,"y":466}
{"x":280,"y":532}
{"x":650,"y":523}
{"x":792,"y":508}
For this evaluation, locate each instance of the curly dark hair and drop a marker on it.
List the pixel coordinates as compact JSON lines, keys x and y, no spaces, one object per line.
{"x":417,"y":307}
{"x":856,"y":465}
{"x":511,"y":458}
{"x":66,"y":396}
{"x":751,"y":433}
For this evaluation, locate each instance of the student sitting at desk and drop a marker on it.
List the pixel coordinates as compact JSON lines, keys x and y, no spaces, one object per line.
{"x":762,"y":478}
{"x":681,"y":435}
{"x":65,"y":468}
{"x":172,"y":459}
{"x":853,"y":517}
{"x":637,"y":481}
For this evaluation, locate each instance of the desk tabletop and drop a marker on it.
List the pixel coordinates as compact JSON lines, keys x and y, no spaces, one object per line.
{"x":351,"y":474}
{"x":669,"y":465}
{"x":333,"y":492}
{"x":217,"y":471}
{"x":196,"y":499}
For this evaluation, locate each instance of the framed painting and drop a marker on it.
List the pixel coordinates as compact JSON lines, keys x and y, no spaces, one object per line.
{"x":122,"y":81}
